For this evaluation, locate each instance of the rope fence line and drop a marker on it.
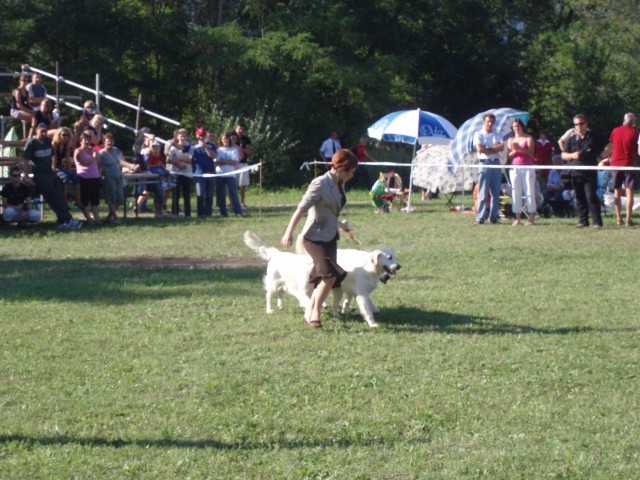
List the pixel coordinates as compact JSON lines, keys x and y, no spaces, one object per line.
{"x":251,"y":168}
{"x":307,"y":165}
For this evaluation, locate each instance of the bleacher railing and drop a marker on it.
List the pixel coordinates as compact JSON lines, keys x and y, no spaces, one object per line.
{"x":98,"y":95}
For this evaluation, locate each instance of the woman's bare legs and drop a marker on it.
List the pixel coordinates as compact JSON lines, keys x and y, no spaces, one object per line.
{"x":320,"y":294}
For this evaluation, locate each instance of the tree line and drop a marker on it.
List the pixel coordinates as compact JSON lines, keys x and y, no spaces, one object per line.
{"x":293,"y":70}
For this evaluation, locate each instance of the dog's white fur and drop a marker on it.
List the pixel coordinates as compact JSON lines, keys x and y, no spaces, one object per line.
{"x":290,"y":272}
{"x":364,"y":271}
{"x":285,"y":272}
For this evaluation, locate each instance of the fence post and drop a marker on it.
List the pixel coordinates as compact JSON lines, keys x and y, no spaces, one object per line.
{"x":98,"y":93}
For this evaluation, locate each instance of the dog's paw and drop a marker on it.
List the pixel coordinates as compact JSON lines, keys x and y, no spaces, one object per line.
{"x":373,"y":324}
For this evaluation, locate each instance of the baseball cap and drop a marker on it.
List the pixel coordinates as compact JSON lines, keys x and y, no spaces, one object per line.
{"x":200,"y":132}
{"x":42,"y":125}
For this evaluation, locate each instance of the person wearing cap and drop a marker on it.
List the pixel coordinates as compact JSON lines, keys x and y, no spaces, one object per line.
{"x":203,"y":158}
{"x":489,"y":146}
{"x":324,"y":200}
{"x":38,"y":159}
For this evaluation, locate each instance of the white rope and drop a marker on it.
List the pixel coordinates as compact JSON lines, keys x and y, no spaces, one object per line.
{"x":542,"y":167}
{"x":306,"y":165}
{"x":252,"y":168}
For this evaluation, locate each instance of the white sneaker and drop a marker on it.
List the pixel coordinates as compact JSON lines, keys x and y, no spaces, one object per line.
{"x":72,"y":224}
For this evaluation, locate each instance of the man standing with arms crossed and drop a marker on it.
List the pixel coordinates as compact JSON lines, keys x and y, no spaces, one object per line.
{"x":489,"y":146}
{"x":585,"y":149}
{"x":624,"y":140}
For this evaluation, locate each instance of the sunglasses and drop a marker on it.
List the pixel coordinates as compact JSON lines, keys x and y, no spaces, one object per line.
{"x":64,"y":135}
{"x":579,"y":124}
{"x":16,"y":175}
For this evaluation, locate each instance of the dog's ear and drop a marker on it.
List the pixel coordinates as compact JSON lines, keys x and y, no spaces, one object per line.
{"x":375,"y":257}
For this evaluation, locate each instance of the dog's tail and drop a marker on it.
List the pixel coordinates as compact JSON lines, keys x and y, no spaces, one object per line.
{"x":255,"y":243}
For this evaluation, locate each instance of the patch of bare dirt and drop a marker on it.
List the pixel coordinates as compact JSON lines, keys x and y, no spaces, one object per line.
{"x":191,"y":262}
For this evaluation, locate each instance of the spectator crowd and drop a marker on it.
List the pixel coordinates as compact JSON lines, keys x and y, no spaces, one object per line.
{"x":81,"y":165}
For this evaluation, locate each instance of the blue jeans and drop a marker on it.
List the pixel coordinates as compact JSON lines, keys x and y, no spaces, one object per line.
{"x":228,"y":181}
{"x":204,"y":190}
{"x":489,"y":182}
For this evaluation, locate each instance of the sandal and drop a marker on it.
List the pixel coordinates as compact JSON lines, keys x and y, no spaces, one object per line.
{"x":313,"y":323}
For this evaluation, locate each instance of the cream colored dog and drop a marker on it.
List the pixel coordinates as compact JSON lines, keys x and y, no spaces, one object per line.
{"x":290,"y":272}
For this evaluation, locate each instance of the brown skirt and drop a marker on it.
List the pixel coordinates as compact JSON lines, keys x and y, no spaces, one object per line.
{"x":325,"y":264}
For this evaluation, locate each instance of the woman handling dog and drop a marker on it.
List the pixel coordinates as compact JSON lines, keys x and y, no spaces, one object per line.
{"x":324,"y":200}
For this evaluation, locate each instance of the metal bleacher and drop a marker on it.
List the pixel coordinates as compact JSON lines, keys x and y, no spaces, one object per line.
{"x":10,"y":149}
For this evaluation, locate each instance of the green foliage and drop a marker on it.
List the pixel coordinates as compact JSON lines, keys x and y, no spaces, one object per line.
{"x":270,"y":145}
{"x":338,"y":65}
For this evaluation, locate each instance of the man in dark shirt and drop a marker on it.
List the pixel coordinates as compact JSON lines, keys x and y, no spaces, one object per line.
{"x":37,"y":156}
{"x":585,"y":149}
{"x":16,"y":200}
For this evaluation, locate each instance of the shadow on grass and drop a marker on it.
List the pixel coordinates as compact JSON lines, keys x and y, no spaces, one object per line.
{"x":63,"y":440}
{"x":112,"y":282}
{"x":408,"y":319}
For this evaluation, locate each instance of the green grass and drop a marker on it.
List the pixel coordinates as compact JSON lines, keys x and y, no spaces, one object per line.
{"x":502,"y":353}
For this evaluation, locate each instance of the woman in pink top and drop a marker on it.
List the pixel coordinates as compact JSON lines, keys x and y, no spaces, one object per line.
{"x":523,"y":180}
{"x":88,"y":169}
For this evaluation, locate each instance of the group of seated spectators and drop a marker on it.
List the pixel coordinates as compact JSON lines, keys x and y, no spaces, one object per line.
{"x":87,"y":166}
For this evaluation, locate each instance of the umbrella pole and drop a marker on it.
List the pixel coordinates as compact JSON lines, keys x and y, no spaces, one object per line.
{"x":408,"y":207}
{"x":462,"y":200}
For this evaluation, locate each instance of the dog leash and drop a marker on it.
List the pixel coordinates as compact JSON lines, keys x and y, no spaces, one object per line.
{"x":350,"y":233}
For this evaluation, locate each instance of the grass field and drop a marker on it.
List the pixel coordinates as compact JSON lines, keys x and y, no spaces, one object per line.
{"x":502,"y":353}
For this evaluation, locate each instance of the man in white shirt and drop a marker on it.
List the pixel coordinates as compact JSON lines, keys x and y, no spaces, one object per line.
{"x":330,"y":146}
{"x":489,"y":146}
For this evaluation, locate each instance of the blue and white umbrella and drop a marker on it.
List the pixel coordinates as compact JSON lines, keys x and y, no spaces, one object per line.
{"x":462,"y":144}
{"x":413,"y":126}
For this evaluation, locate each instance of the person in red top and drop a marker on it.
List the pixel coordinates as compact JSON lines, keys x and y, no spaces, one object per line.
{"x":624,"y":145}
{"x":542,"y":153}
{"x":360,"y":151}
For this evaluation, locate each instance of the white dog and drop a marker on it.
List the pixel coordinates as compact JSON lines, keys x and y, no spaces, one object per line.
{"x":290,"y":272}
{"x":285,"y":272}
{"x":364,"y":271}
